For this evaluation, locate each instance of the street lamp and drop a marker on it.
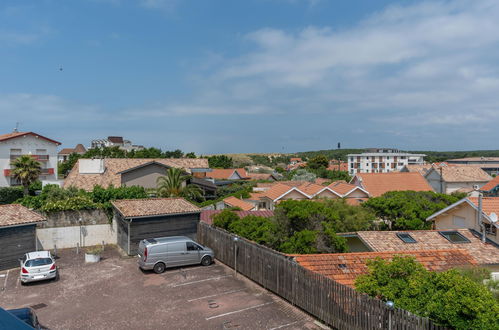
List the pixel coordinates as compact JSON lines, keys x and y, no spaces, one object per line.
{"x":235,"y":239}
{"x":391,"y":306}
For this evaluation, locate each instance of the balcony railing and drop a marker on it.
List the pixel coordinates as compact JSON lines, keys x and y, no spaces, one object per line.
{"x":40,"y":158}
{"x":44,"y":171}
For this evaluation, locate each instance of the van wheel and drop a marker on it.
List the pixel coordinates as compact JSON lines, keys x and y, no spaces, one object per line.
{"x":159,"y":268}
{"x":206,"y":261}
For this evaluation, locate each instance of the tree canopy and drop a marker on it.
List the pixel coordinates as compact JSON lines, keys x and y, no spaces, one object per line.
{"x":220,"y":161}
{"x":408,"y":210}
{"x":448,"y":298}
{"x":26,"y":169}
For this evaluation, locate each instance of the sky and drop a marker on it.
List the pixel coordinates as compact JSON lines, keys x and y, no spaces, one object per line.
{"x":214,"y":76}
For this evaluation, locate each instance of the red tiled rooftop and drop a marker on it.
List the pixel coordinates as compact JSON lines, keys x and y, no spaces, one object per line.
{"x":236,"y":202}
{"x":154,"y":207}
{"x":13,"y":135}
{"x":379,"y":183}
{"x":354,"y":264}
{"x":491,"y":184}
{"x":16,"y":214}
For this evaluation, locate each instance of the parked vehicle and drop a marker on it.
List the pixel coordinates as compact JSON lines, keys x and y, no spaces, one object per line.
{"x":37,"y":266}
{"x":27,"y":315}
{"x":160,"y":253}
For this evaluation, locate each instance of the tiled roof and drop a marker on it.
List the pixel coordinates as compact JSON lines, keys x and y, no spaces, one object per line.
{"x":277,"y":191}
{"x":420,"y":168}
{"x":79,"y":149}
{"x":333,"y":166}
{"x":66,"y":151}
{"x":8,"y":136}
{"x":225,"y":173}
{"x":154,"y":206}
{"x":254,"y":196}
{"x":384,"y":241}
{"x":321,"y":181}
{"x":16,"y":214}
{"x":379,"y":183}
{"x":236,"y":202}
{"x":345,"y":267}
{"x":207,"y":215}
{"x":310,"y":188}
{"x":476,"y":159}
{"x":295,"y":159}
{"x":113,"y":166}
{"x":115,"y":139}
{"x":489,"y":204}
{"x":341,"y":187}
{"x":287,"y":183}
{"x":462,"y":174}
{"x":491,"y":184}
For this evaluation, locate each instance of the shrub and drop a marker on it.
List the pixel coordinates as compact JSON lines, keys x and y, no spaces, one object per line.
{"x":9,"y":195}
{"x":224,"y":219}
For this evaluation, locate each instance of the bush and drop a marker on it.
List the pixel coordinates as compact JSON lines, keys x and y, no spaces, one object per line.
{"x":257,"y":229}
{"x":9,"y":195}
{"x":448,"y":298}
{"x":224,"y":219}
{"x":301,"y":242}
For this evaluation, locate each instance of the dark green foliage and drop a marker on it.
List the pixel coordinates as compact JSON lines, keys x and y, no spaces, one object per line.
{"x":220,"y":161}
{"x":331,"y":175}
{"x":408,"y":210}
{"x":448,"y":298}
{"x":244,"y":188}
{"x":257,"y":229}
{"x":65,"y":167}
{"x":302,"y":242}
{"x":317,"y":162}
{"x":9,"y":195}
{"x":224,"y":219}
{"x":53,"y":198}
{"x":35,"y":186}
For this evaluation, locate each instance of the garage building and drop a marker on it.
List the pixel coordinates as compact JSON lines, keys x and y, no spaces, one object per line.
{"x":138,"y":219}
{"x":17,"y":233}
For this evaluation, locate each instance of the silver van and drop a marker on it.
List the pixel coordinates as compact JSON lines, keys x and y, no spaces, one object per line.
{"x":159,"y":253}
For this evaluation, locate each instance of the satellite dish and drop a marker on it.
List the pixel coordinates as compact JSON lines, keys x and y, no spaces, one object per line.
{"x":493,"y":217}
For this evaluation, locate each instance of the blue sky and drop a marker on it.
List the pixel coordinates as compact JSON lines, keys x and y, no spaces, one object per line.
{"x":255,"y":75}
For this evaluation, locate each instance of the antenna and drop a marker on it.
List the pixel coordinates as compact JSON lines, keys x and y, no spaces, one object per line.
{"x":17,"y":127}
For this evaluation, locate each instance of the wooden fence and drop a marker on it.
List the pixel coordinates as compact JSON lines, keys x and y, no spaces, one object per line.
{"x":333,"y":303}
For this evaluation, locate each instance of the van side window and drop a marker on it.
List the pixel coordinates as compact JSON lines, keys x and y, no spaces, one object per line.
{"x":191,"y":246}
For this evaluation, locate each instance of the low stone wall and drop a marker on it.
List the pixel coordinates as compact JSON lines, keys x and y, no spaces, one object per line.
{"x":71,"y":236}
{"x":71,"y":218}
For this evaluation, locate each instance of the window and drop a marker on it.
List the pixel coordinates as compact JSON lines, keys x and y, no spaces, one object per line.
{"x":454,"y":237}
{"x":490,"y":229}
{"x":459,"y":222}
{"x":191,"y":246}
{"x":15,"y":151}
{"x":342,"y":266}
{"x":406,"y":238}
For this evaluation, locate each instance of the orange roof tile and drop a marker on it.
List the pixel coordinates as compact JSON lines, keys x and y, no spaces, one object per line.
{"x":13,"y":135}
{"x":278,"y":190}
{"x":491,"y":184}
{"x":384,"y":241}
{"x":310,"y":188}
{"x":226,"y":173}
{"x":489,"y":204}
{"x":341,"y":187}
{"x":260,"y":176}
{"x":379,"y":183}
{"x":154,"y":207}
{"x":462,"y":173}
{"x":345,"y":267}
{"x":236,"y":202}
{"x":113,"y":167}
{"x":16,"y":214}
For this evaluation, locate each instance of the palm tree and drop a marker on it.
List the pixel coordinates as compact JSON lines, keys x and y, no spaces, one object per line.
{"x":172,"y":185}
{"x":27,"y":170}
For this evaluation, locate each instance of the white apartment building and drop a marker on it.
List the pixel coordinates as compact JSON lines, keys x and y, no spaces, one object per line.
{"x":115,"y":141}
{"x":382,"y":161}
{"x":15,"y":144}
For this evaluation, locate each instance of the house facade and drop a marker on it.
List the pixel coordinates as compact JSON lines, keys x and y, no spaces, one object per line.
{"x":115,"y":141}
{"x":381,"y":161}
{"x":64,"y":154}
{"x":449,"y":179}
{"x":464,"y":215}
{"x":488,"y":164}
{"x":16,"y":144}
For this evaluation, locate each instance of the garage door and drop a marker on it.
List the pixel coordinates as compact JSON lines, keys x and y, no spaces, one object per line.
{"x":14,"y":243}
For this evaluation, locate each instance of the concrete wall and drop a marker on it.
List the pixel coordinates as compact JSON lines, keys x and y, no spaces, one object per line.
{"x":71,"y":218}
{"x":452,"y":218}
{"x":69,"y":237}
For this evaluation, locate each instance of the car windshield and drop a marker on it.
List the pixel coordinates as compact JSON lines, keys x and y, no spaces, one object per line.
{"x":38,"y":262}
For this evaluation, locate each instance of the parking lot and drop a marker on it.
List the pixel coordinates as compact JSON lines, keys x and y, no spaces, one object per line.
{"x":116,"y":294}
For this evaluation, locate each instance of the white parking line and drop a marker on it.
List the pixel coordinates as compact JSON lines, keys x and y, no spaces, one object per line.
{"x":284,"y":325}
{"x":216,"y":295}
{"x":238,"y":311}
{"x":206,"y":279}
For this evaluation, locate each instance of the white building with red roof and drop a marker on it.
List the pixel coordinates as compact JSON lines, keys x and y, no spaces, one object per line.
{"x":41,"y":148}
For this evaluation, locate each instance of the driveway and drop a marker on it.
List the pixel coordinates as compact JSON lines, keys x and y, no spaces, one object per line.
{"x":116,"y":294}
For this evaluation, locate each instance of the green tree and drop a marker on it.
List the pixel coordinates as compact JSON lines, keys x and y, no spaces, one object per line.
{"x":224,"y":219}
{"x":173,"y":184}
{"x":447,"y":298}
{"x":190,"y":155}
{"x":27,"y":170}
{"x":319,"y":161}
{"x":65,"y":167}
{"x":257,"y":229}
{"x":302,"y":242}
{"x":304,"y":175}
{"x":408,"y":210}
{"x":220,"y":161}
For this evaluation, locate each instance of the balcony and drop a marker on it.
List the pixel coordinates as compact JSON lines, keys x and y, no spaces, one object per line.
{"x":47,"y":171}
{"x":6,"y":172}
{"x":40,"y":158}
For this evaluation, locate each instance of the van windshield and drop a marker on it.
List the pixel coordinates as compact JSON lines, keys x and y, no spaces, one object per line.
{"x":38,"y":262}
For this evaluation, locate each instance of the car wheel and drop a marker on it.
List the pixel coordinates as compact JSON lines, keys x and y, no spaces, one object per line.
{"x":159,"y":268}
{"x":206,"y":261}
{"x":56,"y":278}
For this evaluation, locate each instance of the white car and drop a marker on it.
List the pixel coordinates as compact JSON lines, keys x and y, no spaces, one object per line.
{"x":37,"y":266}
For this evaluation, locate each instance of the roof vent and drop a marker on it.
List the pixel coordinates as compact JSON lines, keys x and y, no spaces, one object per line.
{"x":342,"y":266}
